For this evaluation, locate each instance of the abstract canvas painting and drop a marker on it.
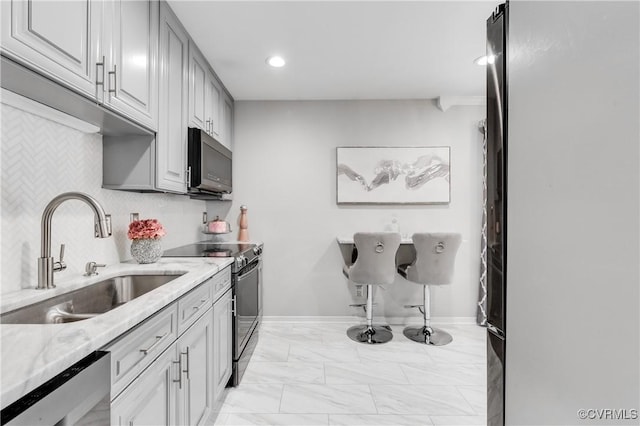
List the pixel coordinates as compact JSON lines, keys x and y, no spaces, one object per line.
{"x":393,"y":175}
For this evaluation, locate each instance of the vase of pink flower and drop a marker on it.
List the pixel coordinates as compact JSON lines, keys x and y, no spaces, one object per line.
{"x":146,"y":240}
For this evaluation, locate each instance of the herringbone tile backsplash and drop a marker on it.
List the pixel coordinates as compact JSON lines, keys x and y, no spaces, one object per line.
{"x":41,"y":159}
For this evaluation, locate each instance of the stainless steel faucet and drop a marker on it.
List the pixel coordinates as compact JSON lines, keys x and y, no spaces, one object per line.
{"x":46,"y":265}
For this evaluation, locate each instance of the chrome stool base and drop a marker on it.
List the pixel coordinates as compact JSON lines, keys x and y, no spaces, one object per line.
{"x":428,"y":335}
{"x":370,"y":335}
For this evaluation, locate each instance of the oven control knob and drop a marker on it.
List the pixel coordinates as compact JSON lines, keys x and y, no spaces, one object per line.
{"x":256,"y":250}
{"x":241,"y":261}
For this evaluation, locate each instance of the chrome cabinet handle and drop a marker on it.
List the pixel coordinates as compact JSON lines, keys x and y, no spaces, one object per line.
{"x":179,"y":381}
{"x":189,"y":177}
{"x":156,"y":343}
{"x":186,"y":369}
{"x":100,"y":83}
{"x":115,"y":80}
{"x":233,"y":306}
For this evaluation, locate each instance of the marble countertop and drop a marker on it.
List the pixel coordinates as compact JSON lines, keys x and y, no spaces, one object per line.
{"x":31,"y":354}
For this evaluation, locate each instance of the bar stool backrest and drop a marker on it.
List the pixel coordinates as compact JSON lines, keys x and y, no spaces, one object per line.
{"x":376,"y":262}
{"x":435,"y":258}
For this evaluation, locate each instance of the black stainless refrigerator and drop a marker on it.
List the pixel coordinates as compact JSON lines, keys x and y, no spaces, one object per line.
{"x":497,"y":36}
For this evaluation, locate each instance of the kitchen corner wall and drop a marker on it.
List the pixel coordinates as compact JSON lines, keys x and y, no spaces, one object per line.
{"x":285,"y":172}
{"x":41,"y":159}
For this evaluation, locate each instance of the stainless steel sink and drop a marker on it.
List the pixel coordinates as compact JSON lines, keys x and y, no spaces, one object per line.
{"x":87,"y":302}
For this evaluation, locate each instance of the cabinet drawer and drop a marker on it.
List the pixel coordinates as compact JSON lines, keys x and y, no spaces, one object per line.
{"x":221,"y":282}
{"x":193,"y":305}
{"x":137,"y":349}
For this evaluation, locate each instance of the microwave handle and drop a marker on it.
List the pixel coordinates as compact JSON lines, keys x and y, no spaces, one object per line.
{"x":188,"y":177}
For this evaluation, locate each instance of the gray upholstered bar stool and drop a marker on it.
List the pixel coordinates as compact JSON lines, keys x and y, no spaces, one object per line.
{"x":435,"y":259}
{"x":375,"y":265}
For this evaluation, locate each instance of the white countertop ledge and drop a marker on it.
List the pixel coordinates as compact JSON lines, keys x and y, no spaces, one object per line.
{"x":31,"y":354}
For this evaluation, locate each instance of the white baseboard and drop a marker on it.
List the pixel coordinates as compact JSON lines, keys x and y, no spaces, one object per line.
{"x":360,"y":319}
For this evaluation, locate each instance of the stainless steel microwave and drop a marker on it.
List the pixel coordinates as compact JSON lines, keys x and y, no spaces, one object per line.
{"x":209,"y":168}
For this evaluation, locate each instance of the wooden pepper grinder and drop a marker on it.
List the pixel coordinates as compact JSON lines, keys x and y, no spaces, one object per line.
{"x":243,"y":222}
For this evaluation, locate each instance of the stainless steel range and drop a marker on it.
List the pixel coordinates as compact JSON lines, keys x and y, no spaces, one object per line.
{"x":246,"y":273}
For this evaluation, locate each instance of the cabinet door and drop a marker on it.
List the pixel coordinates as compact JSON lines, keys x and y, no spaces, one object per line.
{"x":212,"y":104}
{"x":222,"y":343}
{"x":171,"y":139}
{"x":152,"y":398}
{"x":226,"y":137}
{"x":196,"y":352}
{"x":59,"y":39}
{"x":197,"y":87}
{"x":131,"y":33}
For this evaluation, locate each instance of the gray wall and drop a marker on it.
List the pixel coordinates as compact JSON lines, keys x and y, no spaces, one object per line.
{"x":573,"y":320}
{"x":285,"y":171}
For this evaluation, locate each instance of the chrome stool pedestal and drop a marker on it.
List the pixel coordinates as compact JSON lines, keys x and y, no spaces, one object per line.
{"x":370,"y":334}
{"x":428,"y":335}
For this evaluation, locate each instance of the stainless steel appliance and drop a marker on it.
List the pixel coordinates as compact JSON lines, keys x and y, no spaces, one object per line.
{"x":80,"y":395}
{"x":497,"y":37}
{"x":246,"y":273}
{"x":209,"y":165}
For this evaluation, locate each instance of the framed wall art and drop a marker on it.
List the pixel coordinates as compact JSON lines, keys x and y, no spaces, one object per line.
{"x":393,"y":175}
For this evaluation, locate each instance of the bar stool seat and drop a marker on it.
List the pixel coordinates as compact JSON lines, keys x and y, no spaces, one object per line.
{"x":375,"y":265}
{"x":434,"y":265}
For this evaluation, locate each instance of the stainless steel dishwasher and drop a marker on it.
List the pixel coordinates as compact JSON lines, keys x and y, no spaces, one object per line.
{"x":77,"y":396}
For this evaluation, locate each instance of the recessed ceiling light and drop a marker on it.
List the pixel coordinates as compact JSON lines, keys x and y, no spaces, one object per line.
{"x":276,"y":61}
{"x":484,"y":60}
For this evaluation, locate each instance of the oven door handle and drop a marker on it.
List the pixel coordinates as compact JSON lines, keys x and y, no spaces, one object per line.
{"x":248,"y":270}
{"x":233,"y":306}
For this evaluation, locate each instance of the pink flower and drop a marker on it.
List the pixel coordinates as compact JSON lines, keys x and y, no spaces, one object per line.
{"x":145,"y":228}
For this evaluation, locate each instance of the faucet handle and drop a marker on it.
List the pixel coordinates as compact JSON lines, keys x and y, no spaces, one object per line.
{"x":91,"y":268}
{"x":60,"y":265}
{"x":97,"y":225}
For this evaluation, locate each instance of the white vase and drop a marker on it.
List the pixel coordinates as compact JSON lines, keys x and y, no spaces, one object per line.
{"x":146,"y":250}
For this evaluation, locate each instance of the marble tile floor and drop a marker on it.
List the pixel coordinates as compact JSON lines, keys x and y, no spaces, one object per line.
{"x":313,"y":374}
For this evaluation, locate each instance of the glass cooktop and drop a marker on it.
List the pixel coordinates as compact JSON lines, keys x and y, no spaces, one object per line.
{"x":209,"y":250}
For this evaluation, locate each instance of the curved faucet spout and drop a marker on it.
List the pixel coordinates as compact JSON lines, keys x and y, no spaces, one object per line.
{"x":102,"y":230}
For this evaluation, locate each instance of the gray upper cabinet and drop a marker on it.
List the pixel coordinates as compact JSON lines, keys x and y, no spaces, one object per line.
{"x":198,"y":70}
{"x":106,"y":50}
{"x":210,"y":107}
{"x":131,"y":44}
{"x":171,"y":140}
{"x":226,"y":134}
{"x":58,"y":39}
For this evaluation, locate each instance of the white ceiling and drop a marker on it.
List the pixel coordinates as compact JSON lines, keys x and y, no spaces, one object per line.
{"x":342,"y":49}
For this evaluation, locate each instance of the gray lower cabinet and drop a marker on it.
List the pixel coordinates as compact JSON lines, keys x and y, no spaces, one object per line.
{"x":222,"y":343}
{"x":196,"y":361}
{"x":178,"y":386}
{"x":171,"y":368}
{"x":153,"y":397}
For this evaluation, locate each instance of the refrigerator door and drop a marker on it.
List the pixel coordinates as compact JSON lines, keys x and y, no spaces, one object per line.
{"x":495,"y":379}
{"x":496,"y":169}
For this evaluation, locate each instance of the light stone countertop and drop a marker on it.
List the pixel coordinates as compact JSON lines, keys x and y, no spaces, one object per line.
{"x":31,"y":354}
